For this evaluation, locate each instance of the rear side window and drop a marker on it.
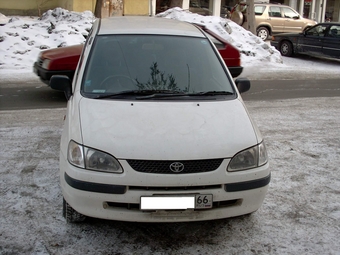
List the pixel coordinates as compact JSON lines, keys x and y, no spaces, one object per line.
{"x":153,"y":62}
{"x":274,"y":11}
{"x":259,"y":9}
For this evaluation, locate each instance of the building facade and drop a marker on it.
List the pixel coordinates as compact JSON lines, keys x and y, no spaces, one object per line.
{"x":318,"y":10}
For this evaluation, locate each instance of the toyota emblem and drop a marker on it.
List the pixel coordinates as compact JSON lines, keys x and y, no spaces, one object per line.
{"x":176,"y":167}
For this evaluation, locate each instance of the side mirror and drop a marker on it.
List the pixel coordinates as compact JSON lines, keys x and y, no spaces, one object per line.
{"x":62,"y":83}
{"x":242,"y":84}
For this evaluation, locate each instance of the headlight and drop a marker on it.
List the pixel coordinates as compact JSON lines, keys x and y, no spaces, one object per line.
{"x":92,"y":159}
{"x":75,"y":154}
{"x":46,"y":63}
{"x":250,"y":158}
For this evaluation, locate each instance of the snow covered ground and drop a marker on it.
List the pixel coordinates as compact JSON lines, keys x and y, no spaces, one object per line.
{"x":300,"y":215}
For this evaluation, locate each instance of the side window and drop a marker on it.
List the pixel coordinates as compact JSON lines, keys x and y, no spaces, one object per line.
{"x":274,"y":11}
{"x":289,"y":13}
{"x":334,"y":31}
{"x":259,"y":10}
{"x":317,"y":31}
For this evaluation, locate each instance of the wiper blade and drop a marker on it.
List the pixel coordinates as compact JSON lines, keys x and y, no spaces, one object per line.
{"x":127,"y":92}
{"x":159,"y":94}
{"x":135,"y":92}
{"x":213,"y":93}
{"x":182,"y":94}
{"x":147,"y":94}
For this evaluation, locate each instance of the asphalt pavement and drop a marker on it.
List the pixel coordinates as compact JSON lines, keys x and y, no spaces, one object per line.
{"x":37,"y":95}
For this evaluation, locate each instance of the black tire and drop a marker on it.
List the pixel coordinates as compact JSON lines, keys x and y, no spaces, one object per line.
{"x":286,"y":49}
{"x":71,"y":215}
{"x":263,"y":33}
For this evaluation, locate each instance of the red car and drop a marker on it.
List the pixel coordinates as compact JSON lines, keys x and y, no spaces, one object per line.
{"x":63,"y":61}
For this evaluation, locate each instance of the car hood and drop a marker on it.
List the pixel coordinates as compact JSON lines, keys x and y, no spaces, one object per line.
{"x":63,"y":52}
{"x":166,"y":130}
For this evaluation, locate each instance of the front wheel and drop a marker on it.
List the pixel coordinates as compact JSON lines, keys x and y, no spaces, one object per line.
{"x":71,"y":215}
{"x":286,"y":49}
{"x":263,"y":33}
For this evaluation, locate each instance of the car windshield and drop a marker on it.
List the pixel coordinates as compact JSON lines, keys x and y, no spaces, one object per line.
{"x":155,"y":63}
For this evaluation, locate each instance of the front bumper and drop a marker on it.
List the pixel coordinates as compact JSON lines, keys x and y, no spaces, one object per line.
{"x":45,"y":75}
{"x":235,"y":70}
{"x":117,"y":197}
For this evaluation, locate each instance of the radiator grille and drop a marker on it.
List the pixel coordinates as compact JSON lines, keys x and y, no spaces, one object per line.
{"x":175,"y":167}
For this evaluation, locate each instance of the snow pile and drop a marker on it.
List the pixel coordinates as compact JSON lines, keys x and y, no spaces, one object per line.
{"x":64,"y":16}
{"x":3,"y":19}
{"x":253,"y":49}
{"x":22,"y":38}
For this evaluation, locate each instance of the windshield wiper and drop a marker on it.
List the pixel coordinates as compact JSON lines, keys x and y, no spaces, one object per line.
{"x":147,"y":94}
{"x":213,"y":93}
{"x":182,"y":94}
{"x":135,"y":92}
{"x":162,"y":93}
{"x":126,"y":92}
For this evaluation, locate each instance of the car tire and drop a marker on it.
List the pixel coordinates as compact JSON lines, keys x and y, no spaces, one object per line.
{"x":286,"y":48}
{"x":263,"y":33}
{"x":71,"y":215}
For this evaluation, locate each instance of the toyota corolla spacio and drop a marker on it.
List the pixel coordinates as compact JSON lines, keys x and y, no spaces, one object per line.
{"x":156,"y":129}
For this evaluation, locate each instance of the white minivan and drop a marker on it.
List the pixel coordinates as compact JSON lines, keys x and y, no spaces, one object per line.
{"x":156,"y":129}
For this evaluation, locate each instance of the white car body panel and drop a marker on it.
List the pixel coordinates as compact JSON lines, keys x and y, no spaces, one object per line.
{"x":169,"y":130}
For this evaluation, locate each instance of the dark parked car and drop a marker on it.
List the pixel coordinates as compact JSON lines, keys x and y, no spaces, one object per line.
{"x":63,"y":61}
{"x":321,"y":40}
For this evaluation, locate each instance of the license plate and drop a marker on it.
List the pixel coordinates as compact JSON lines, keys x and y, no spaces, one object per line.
{"x":203,"y":201}
{"x":176,"y":202}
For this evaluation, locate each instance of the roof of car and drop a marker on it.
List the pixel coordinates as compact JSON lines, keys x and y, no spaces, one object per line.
{"x":329,"y":23}
{"x":270,"y":4}
{"x":147,"y":25}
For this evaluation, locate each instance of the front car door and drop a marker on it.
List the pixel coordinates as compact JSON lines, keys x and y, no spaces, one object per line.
{"x":331,"y":43}
{"x":292,"y":21}
{"x":312,"y":40}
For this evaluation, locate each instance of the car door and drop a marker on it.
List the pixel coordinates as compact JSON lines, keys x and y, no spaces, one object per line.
{"x":292,"y":21}
{"x":312,"y":40}
{"x":331,"y":43}
{"x":276,"y":19}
